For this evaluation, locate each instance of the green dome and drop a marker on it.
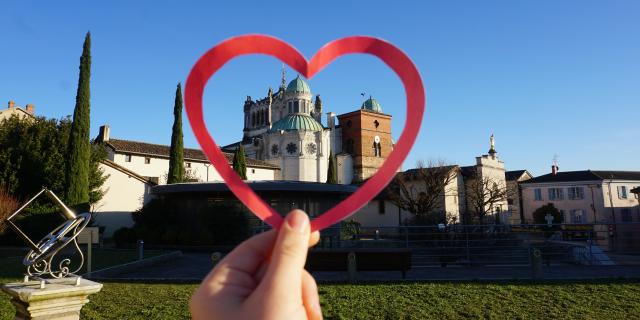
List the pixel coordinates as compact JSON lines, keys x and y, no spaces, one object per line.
{"x":371,"y":104}
{"x":296,"y":121}
{"x":298,"y":85}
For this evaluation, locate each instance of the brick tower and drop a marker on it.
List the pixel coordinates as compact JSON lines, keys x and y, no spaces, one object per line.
{"x":366,"y":135}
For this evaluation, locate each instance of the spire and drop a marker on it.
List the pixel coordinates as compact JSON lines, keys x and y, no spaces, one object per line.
{"x":270,"y":95}
{"x":283,"y":81}
{"x":492,"y":145}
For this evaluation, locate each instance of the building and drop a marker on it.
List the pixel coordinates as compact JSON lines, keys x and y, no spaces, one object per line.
{"x":465,"y":188}
{"x":133,"y":167}
{"x":285,"y":129}
{"x":15,"y":110}
{"x":514,"y":197}
{"x":151,"y":161}
{"x":588,"y":196}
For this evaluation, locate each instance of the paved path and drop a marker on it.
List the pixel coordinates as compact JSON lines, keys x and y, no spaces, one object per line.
{"x":192,"y":267}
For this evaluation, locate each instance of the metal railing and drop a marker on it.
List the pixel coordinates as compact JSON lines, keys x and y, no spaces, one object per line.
{"x":486,"y":245}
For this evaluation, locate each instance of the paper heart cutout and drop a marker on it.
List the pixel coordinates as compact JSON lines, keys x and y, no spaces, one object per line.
{"x":220,"y":54}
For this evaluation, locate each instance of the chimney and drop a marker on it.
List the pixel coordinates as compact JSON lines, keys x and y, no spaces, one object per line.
{"x":12,"y":104}
{"x":554,"y":169}
{"x":30,"y":108}
{"x":103,"y":134}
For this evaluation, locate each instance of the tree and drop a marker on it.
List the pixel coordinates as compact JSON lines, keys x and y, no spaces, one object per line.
{"x":421,"y":191}
{"x":32,"y":155}
{"x":79,"y":147}
{"x":176,"y":157}
{"x":239,"y":163}
{"x":483,"y":194}
{"x":540,"y":214}
{"x":331,"y":171}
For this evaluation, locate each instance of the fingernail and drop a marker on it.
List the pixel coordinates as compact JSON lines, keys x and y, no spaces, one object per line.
{"x":297,"y":221}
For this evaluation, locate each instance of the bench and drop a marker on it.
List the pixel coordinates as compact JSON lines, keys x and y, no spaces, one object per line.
{"x":367,"y":259}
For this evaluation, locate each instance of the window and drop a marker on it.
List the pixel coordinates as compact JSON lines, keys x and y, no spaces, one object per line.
{"x":376,"y":123}
{"x":626,"y":215}
{"x":622,"y":192}
{"x":127,"y":158}
{"x":381,"y":207}
{"x":575,"y":193}
{"x":290,"y":104}
{"x":188,"y":164}
{"x":377,"y":150}
{"x":147,"y":160}
{"x":253,"y":170}
{"x":577,"y":216}
{"x":296,"y":106}
{"x":555,"y":194}
{"x":537,"y":194}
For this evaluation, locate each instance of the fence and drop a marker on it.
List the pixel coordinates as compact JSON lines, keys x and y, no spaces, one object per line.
{"x":487,"y":245}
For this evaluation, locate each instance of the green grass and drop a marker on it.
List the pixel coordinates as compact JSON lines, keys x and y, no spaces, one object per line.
{"x":616,"y":299}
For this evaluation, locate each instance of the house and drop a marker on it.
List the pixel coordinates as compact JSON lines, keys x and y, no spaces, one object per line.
{"x":15,"y":110}
{"x":587,"y":196}
{"x":514,"y":197}
{"x":133,"y":167}
{"x":124,"y":192}
{"x":152,"y":161}
{"x":467,"y":189}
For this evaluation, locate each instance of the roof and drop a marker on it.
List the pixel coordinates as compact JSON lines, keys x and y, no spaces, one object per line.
{"x":122,"y":169}
{"x":162,"y":151}
{"x":586,"y":175}
{"x":278,"y":185}
{"x":371,"y":104}
{"x":298,"y":85}
{"x":297,"y":121}
{"x":515,"y":174}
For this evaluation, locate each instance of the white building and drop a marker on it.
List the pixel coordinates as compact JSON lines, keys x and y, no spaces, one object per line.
{"x":15,"y":110}
{"x":588,"y":196}
{"x":133,"y":167}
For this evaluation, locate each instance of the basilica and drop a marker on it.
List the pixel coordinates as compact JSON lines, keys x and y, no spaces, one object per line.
{"x":285,"y":129}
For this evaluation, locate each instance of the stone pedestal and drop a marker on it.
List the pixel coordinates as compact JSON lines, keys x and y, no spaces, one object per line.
{"x":61,"y":299}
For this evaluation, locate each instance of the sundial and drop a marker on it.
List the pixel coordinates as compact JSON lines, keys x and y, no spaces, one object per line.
{"x":39,"y":261}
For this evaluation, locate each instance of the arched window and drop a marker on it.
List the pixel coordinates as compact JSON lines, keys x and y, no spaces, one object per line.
{"x":377,"y":149}
{"x":296,"y":106}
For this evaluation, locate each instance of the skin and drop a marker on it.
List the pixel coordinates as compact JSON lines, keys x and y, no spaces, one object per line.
{"x":263,"y":278}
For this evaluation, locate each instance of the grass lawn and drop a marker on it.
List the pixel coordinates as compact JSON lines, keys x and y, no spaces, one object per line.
{"x":617,"y":299}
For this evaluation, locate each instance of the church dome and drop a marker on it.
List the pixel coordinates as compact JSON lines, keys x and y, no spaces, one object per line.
{"x":297,"y":121}
{"x":298,"y":85}
{"x":372,"y":105}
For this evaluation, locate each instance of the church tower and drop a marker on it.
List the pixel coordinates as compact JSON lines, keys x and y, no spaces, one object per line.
{"x":366,"y":135}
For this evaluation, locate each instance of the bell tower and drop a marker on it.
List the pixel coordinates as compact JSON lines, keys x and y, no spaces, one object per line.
{"x":366,"y":135}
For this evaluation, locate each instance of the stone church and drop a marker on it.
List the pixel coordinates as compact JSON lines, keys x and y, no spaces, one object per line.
{"x":285,"y":129}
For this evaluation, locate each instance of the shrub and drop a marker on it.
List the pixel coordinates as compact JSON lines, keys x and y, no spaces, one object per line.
{"x":180,"y":222}
{"x":8,"y":205}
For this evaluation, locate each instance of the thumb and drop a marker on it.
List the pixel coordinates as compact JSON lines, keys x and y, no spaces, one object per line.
{"x":289,"y":255}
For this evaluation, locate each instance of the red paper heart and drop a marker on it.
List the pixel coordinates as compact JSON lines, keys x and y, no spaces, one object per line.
{"x":393,"y":57}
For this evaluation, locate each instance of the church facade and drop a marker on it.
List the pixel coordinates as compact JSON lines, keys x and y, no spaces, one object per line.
{"x":285,"y":129}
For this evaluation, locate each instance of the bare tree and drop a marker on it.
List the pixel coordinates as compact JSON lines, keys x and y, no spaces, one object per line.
{"x":421,"y":191}
{"x":483,"y":195}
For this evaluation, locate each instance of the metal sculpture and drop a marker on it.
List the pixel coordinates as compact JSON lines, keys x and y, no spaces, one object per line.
{"x":40,"y":259}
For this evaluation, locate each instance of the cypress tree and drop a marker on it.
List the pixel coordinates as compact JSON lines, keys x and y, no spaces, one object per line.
{"x":79,"y":148}
{"x":239,"y":163}
{"x":331,"y":171}
{"x":176,"y":158}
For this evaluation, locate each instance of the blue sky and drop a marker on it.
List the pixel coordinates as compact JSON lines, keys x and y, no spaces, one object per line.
{"x":546,"y":77}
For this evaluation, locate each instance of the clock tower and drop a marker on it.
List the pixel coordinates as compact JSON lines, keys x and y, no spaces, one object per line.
{"x":366,"y":136}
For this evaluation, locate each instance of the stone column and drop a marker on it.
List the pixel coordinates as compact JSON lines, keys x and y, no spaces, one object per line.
{"x":61,"y":299}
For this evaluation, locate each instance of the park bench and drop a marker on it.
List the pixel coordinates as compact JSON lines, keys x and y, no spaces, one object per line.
{"x":366,"y":259}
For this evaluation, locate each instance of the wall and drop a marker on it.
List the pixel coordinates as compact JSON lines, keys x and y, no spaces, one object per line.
{"x":123,"y":194}
{"x":159,"y":167}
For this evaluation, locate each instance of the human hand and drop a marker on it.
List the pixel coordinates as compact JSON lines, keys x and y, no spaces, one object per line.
{"x":263,"y":278}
